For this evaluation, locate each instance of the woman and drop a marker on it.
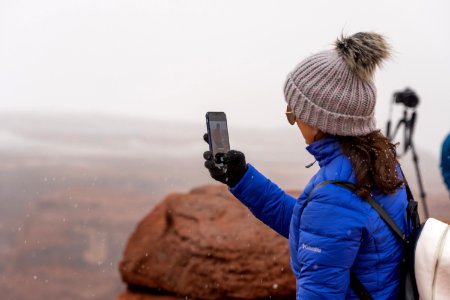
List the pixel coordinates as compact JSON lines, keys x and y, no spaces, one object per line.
{"x":331,"y":98}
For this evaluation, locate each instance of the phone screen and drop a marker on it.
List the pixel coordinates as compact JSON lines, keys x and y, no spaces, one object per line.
{"x":216,"y":123}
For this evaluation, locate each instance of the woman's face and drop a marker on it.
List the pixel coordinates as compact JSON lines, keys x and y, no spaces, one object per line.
{"x":310,"y":134}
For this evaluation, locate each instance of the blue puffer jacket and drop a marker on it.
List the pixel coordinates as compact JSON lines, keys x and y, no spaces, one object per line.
{"x":335,"y":233}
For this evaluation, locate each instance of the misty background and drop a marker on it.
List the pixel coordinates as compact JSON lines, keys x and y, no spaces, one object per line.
{"x":102,"y":113}
{"x":174,"y":60}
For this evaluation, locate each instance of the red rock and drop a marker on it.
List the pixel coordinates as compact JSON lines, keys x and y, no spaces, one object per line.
{"x":128,"y":295}
{"x":207,"y":245}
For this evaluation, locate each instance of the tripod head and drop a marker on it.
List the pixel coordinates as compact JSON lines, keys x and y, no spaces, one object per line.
{"x":410,"y":100}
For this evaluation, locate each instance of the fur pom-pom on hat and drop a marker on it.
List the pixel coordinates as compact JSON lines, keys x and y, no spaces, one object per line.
{"x":363,"y":52}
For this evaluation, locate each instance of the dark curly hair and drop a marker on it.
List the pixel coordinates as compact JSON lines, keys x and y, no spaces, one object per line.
{"x":374,"y":160}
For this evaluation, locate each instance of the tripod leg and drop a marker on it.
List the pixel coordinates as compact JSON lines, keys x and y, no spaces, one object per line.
{"x":397,"y":127}
{"x":419,"y":180}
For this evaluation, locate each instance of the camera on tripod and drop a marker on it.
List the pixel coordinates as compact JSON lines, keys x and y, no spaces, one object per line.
{"x":406,"y":97}
{"x":410,"y":100}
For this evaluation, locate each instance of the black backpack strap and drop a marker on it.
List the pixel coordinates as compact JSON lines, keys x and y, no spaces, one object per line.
{"x":386,"y":218}
{"x":359,"y":288}
{"x":322,"y":183}
{"x":412,"y":210}
{"x":380,"y":210}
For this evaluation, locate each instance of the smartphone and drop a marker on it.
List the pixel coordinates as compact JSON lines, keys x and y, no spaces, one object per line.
{"x":219,"y":144}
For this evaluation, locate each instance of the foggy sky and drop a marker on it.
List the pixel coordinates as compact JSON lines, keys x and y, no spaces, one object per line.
{"x":174,"y":60}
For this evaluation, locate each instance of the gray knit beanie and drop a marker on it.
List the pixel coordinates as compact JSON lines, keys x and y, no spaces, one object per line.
{"x":333,"y":90}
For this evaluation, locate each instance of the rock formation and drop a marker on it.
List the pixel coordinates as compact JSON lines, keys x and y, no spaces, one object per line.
{"x":206,"y":245}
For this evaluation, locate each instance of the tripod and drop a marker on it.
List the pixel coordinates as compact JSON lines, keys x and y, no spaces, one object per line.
{"x":408,"y":121}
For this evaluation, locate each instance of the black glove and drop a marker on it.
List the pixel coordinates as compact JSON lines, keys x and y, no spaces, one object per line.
{"x":234,"y":165}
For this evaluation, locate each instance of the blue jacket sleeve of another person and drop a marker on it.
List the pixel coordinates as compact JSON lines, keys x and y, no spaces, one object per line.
{"x":265,"y":200}
{"x":445,"y":161}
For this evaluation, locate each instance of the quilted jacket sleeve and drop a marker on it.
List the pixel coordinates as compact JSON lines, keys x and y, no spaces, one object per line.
{"x":445,"y":161}
{"x":265,"y":200}
{"x":329,"y":239}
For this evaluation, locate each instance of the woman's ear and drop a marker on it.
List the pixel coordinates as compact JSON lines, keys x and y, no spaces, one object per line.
{"x":316,"y":132}
{"x":319,"y":135}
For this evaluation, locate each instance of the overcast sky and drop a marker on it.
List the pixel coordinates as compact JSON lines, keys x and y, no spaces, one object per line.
{"x":175,"y":60}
